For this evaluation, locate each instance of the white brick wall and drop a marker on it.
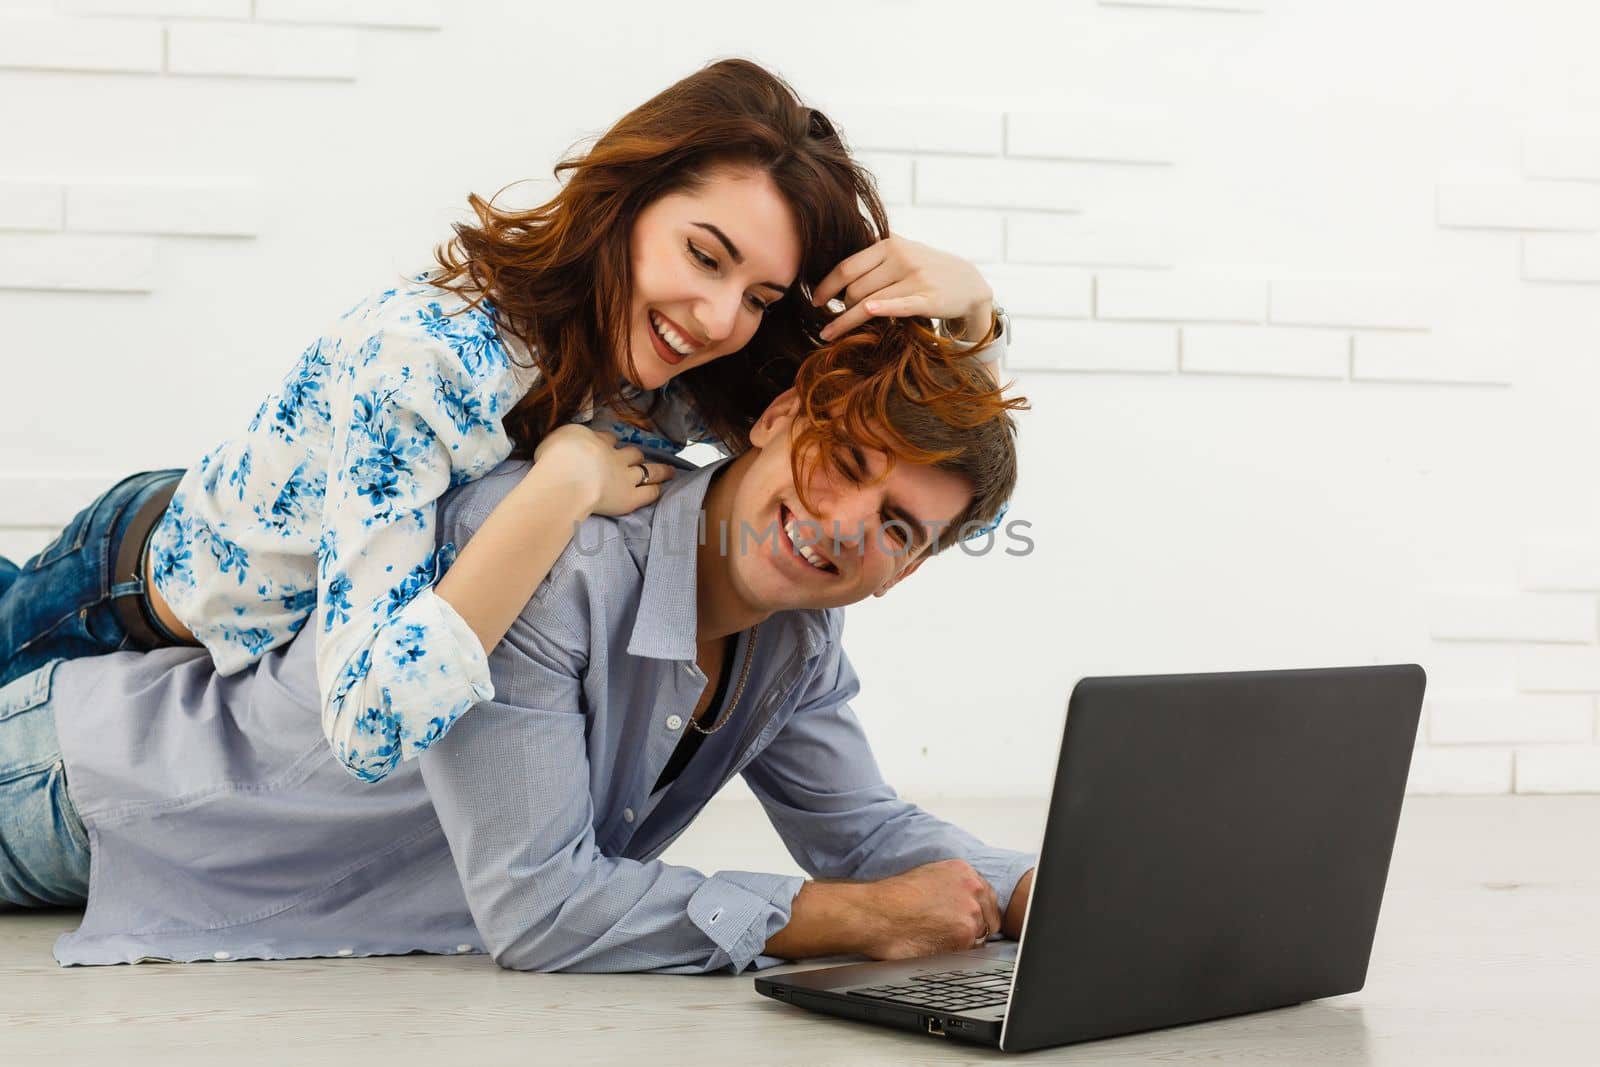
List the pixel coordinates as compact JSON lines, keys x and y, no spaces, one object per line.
{"x":1353,"y":494}
{"x":45,"y":503}
{"x":1563,"y":770}
{"x":1561,"y":156}
{"x":1520,"y":206}
{"x":1557,"y":669}
{"x":1266,"y":351}
{"x":20,"y":543}
{"x":1223,"y":6}
{"x":1460,"y":771}
{"x":996,"y":183}
{"x":410,"y":14}
{"x":1561,"y":258}
{"x":1178,"y":298}
{"x":29,"y":206}
{"x":1425,"y":359}
{"x":1085,"y":241}
{"x":1502,"y":719}
{"x":904,"y":129}
{"x":1043,"y":344}
{"x":166,"y":207}
{"x":59,"y":261}
{"x":79,"y":44}
{"x":207,"y":9}
{"x":975,"y":235}
{"x":1089,"y":136}
{"x":1051,"y":292}
{"x":1351,"y":303}
{"x":1560,"y":563}
{"x":260,"y":51}
{"x":893,"y":174}
{"x":1557,"y":617}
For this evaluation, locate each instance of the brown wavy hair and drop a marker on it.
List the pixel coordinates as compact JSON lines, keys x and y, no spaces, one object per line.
{"x":559,"y":276}
{"x":896,"y":387}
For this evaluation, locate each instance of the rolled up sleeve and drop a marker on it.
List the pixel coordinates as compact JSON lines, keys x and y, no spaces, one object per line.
{"x":741,"y":910}
{"x":823,"y":792}
{"x":510,"y":784}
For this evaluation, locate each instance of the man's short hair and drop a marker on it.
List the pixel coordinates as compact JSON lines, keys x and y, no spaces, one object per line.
{"x":896,"y":386}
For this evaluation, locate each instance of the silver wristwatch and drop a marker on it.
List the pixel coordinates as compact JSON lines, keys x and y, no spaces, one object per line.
{"x":1002,"y":327}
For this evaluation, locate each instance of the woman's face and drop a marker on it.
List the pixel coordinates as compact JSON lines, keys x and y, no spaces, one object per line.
{"x":706,"y":264}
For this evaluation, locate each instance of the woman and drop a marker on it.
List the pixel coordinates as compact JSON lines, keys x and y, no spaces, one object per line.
{"x":694,"y":229}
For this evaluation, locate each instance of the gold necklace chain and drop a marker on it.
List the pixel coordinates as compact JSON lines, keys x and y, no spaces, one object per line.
{"x":738,"y":689}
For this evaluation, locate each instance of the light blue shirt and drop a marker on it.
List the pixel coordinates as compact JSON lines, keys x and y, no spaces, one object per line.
{"x":222,"y":828}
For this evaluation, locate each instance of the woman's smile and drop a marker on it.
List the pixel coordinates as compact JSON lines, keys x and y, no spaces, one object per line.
{"x":673,"y":344}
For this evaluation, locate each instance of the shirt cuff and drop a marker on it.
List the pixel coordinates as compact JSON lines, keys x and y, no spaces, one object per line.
{"x":740,"y":910}
{"x":1003,"y":869}
{"x":468,"y":673}
{"x":474,"y":661}
{"x":385,"y":708}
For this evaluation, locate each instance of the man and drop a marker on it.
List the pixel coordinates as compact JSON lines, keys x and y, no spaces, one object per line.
{"x":668,"y":650}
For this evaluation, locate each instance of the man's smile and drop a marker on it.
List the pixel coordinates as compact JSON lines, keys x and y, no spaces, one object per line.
{"x":800,"y":540}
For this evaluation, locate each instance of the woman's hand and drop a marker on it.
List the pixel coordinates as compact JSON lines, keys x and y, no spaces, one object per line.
{"x":607,"y":476}
{"x":897,"y":277}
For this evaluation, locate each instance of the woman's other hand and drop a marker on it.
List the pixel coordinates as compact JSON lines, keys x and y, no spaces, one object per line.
{"x":608,"y":476}
{"x":898,"y":277}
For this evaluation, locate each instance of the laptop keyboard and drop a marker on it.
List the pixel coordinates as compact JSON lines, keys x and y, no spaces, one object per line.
{"x":947,"y":991}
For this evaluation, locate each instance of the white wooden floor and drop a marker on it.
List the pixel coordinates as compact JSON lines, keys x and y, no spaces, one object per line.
{"x":1488,"y":952}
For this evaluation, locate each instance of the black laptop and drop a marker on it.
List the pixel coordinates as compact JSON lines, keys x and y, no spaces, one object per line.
{"x":1216,"y":844}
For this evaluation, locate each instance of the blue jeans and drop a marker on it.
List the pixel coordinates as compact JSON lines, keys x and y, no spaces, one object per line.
{"x":44,"y":849}
{"x":58,"y":604}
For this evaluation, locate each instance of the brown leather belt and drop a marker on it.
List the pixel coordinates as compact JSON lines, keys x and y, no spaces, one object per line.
{"x":133,"y":610}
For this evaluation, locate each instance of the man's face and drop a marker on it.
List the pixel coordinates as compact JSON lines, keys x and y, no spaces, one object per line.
{"x":864,"y":535}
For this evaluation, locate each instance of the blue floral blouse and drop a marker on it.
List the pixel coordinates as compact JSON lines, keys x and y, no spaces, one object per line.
{"x":322,"y":511}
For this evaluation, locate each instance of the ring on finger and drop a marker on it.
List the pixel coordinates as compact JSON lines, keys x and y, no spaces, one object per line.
{"x":644,"y":474}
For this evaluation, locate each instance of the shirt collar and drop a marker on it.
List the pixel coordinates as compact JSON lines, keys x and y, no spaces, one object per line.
{"x":664,"y":627}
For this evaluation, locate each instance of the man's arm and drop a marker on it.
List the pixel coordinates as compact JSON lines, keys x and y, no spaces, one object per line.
{"x":828,"y":801}
{"x":510,"y":784}
{"x":938,"y":907}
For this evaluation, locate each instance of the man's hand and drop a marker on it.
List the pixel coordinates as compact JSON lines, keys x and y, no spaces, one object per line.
{"x":938,"y":907}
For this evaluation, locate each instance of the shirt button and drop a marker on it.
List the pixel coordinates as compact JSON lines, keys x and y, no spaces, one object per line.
{"x":463,"y":948}
{"x":627,"y":814}
{"x":347,"y":952}
{"x":222,"y":955}
{"x":673,"y":722}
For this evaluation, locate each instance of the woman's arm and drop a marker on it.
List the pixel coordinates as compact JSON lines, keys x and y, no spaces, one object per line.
{"x":577,"y":472}
{"x":897,"y":277}
{"x":403,"y":627}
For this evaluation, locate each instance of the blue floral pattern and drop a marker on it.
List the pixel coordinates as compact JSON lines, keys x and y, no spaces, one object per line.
{"x":325,"y":505}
